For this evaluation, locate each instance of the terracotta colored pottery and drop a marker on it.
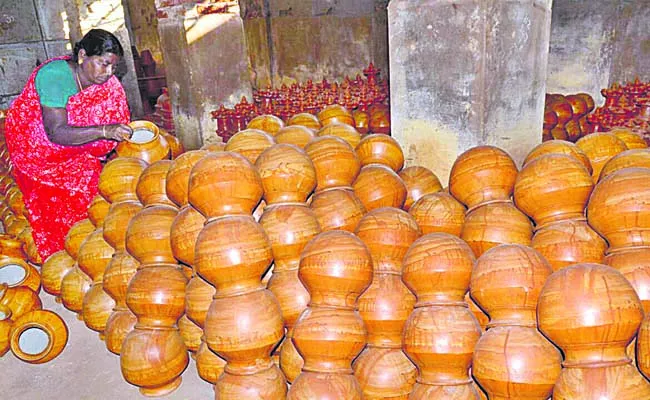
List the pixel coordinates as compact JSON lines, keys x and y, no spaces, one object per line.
{"x":38,"y":336}
{"x":146,"y":143}
{"x":627,"y":159}
{"x":97,"y":210}
{"x":220,"y":178}
{"x":74,"y":286}
{"x":634,"y":264}
{"x":335,"y":113}
{"x":94,"y":255}
{"x":117,"y":221}
{"x":11,"y":247}
{"x":14,"y":199}
{"x":379,"y":186}
{"x":553,"y":187}
{"x":213,"y":147}
{"x":318,"y":385}
{"x":117,"y":276}
{"x":643,"y":346}
{"x":151,"y":187}
{"x":29,"y":246}
{"x":183,"y":234}
{"x":480,"y":315}
{"x":20,"y":300}
{"x":97,"y":307}
{"x":619,"y":208}
{"x":383,"y":372}
{"x":613,"y":382}
{"x":419,"y":181}
{"x":191,"y":333}
{"x":559,"y":147}
{"x":208,"y":365}
{"x":296,"y":134}
{"x":361,"y":120}
{"x":16,"y":225}
{"x":175,"y":146}
{"x":16,"y":272}
{"x":76,"y":235}
{"x":335,"y":161}
{"x":265,"y":384}
{"x":482,"y":174}
{"x":118,"y":326}
{"x":250,"y":143}
{"x":494,"y":224}
{"x":198,"y":297}
{"x":344,"y":131}
{"x":632,"y":139}
{"x":178,"y":176}
{"x":287,"y":174}
{"x":439,"y":212}
{"x":5,"y":329}
{"x":119,"y":178}
{"x":600,"y":148}
{"x":380,"y":119}
{"x":148,"y":233}
{"x":382,"y":149}
{"x":267,"y":123}
{"x":53,"y":271}
{"x":337,"y":209}
{"x":305,"y":119}
{"x":569,"y":242}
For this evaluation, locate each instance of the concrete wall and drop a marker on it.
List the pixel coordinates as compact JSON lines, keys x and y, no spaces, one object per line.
{"x":144,"y":27}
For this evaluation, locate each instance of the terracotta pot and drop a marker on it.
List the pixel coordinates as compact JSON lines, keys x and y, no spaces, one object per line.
{"x":250,"y":143}
{"x":419,"y":182}
{"x":16,"y":272}
{"x":208,"y":365}
{"x":175,"y":146}
{"x":11,"y":247}
{"x":53,"y":271}
{"x":480,"y":315}
{"x":318,"y":385}
{"x":382,"y":149}
{"x":379,"y":186}
{"x":221,"y":176}
{"x":20,"y":300}
{"x":287,"y":174}
{"x":634,"y":264}
{"x":117,"y":276}
{"x":213,"y":147}
{"x":38,"y":336}
{"x":291,"y":361}
{"x":5,"y":329}
{"x":178,"y":176}
{"x":14,"y":199}
{"x":76,"y":235}
{"x":146,"y":143}
{"x":296,"y":134}
{"x":552,"y":188}
{"x":569,"y":242}
{"x":151,"y":189}
{"x":183,"y":234}
{"x":191,"y":333}
{"x":344,"y":131}
{"x":29,"y":246}
{"x":148,"y":233}
{"x":632,"y":139}
{"x":337,"y":209}
{"x":335,"y":113}
{"x":198,"y":297}
{"x":335,"y":161}
{"x":482,"y":174}
{"x":559,"y":147}
{"x":117,"y":221}
{"x":361,"y":120}
{"x":119,"y":178}
{"x":305,"y":119}
{"x":494,"y":224}
{"x":97,"y":307}
{"x":600,"y":148}
{"x":643,"y":346}
{"x":380,"y":119}
{"x":267,"y":123}
{"x":455,"y":392}
{"x":94,"y":255}
{"x":626,"y":159}
{"x":612,"y":382}
{"x":562,"y":108}
{"x":384,"y":373}
{"x":619,"y":208}
{"x":97,"y":210}
{"x":439,"y":212}
{"x":267,"y":384}
{"x":118,"y":326}
{"x":16,"y":225}
{"x":74,"y":286}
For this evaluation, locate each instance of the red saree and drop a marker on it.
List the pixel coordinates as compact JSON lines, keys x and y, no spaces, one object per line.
{"x":58,"y":182}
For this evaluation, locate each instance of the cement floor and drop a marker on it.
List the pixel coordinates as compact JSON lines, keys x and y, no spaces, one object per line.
{"x":85,"y":370}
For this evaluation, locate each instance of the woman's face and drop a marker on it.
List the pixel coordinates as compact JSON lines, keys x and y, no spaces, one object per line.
{"x":98,"y":69}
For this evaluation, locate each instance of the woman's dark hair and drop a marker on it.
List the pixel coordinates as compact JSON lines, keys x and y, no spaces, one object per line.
{"x":96,"y":43}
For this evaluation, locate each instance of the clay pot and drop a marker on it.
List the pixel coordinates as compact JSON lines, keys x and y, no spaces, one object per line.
{"x":265,"y":384}
{"x":198,"y":297}
{"x":461,"y":392}
{"x":250,"y":143}
{"x":97,"y":307}
{"x":589,"y":101}
{"x":16,"y":272}
{"x":146,"y":143}
{"x":613,"y":382}
{"x":208,"y":365}
{"x":5,"y":329}
{"x":29,"y":246}
{"x":439,"y":212}
{"x":119,"y":178}
{"x":287,"y":174}
{"x":14,"y":199}
{"x":335,"y":113}
{"x":480,"y":315}
{"x":600,"y":148}
{"x":341,"y":130}
{"x":148,"y":233}
{"x":319,"y":385}
{"x":627,"y":159}
{"x":578,"y":105}
{"x":178,"y":176}
{"x":38,"y":336}
{"x":267,"y":123}
{"x":419,"y":181}
{"x":191,"y":333}
{"x":337,"y":209}
{"x":382,"y":149}
{"x":117,"y":221}
{"x":643,"y":346}
{"x":151,"y":187}
{"x":632,"y":139}
{"x":618,"y":208}
{"x":291,"y":361}
{"x":53,"y":271}
{"x":76,"y":235}
{"x":20,"y":300}
{"x":335,"y":162}
{"x":552,"y":188}
{"x":175,"y":146}
{"x":482,"y":174}
{"x":506,"y":282}
{"x":634,"y":264}
{"x":361,"y":120}
{"x":94,"y":255}
{"x":558,"y":147}
{"x":117,"y":276}
{"x":379,"y":186}
{"x":16,"y":225}
{"x":213,"y":147}
{"x":183,"y":234}
{"x":224,"y":183}
{"x":384,"y":373}
{"x":297,"y":135}
{"x":118,"y":326}
{"x":305,"y":119}
{"x":97,"y":210}
{"x":380,"y":119}
{"x":569,"y":242}
{"x":74,"y":286}
{"x":494,"y":224}
{"x":562,"y":108}
{"x":11,"y":247}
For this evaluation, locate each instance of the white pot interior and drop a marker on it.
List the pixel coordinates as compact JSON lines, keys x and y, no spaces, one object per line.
{"x":12,"y":274}
{"x":33,"y":341}
{"x":142,"y":135}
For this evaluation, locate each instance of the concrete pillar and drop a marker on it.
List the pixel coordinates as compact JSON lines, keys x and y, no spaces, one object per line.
{"x":206,"y":65}
{"x":144,"y":27}
{"x":467,"y":73}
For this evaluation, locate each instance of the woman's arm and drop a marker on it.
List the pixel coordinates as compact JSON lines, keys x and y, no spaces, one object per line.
{"x":58,"y":131}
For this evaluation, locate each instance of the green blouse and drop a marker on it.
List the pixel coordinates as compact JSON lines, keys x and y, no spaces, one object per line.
{"x":55,"y":84}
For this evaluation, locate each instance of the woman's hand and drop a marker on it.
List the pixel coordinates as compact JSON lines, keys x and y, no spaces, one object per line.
{"x":117,"y":132}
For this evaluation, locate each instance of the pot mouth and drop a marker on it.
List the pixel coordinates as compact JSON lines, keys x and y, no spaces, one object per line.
{"x":34,"y":341}
{"x":5,"y":313}
{"x":142,"y":136}
{"x":12,"y":274}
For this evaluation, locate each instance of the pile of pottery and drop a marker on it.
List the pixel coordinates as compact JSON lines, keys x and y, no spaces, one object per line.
{"x":626,"y":105}
{"x":566,"y":117}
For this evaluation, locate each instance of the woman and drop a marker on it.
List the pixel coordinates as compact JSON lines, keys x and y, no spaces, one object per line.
{"x":68,"y":118}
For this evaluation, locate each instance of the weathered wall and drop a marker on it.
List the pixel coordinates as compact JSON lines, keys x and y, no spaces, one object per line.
{"x":296,"y":40}
{"x":144,"y":26}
